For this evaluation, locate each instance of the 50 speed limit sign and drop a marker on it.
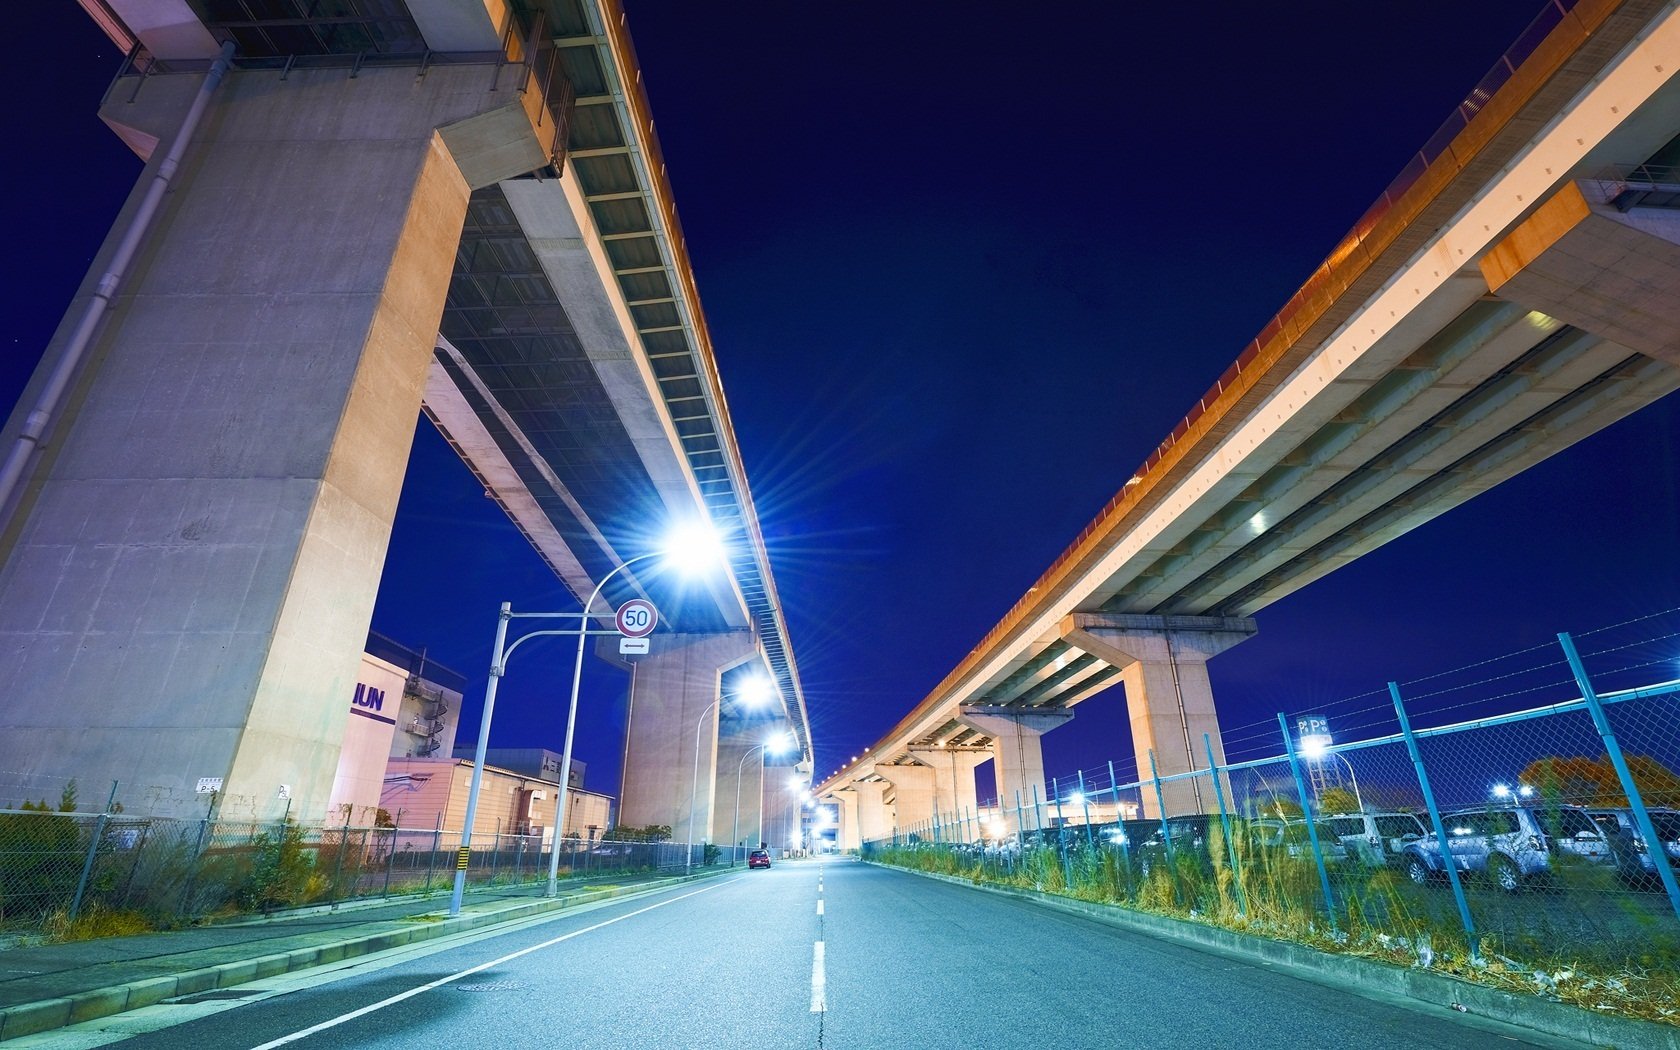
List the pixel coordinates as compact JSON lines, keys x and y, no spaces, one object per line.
{"x":637,"y":618}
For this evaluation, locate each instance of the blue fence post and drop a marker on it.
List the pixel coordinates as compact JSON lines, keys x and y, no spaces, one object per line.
{"x":94,"y":840}
{"x":1085,"y":804}
{"x":1119,"y":822}
{"x":1061,"y":833}
{"x":1225,"y":821}
{"x":1636,"y":802}
{"x":1161,"y":804}
{"x":1020,"y":822}
{"x":1311,"y":821}
{"x":1435,"y":820}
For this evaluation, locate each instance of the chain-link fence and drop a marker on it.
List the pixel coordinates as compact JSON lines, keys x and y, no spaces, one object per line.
{"x":58,"y":865}
{"x":1550,"y":775}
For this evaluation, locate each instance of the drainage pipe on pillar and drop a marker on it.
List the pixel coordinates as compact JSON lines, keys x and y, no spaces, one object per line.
{"x":36,"y":423}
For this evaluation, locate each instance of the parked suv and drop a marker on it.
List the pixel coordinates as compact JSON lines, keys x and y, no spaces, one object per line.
{"x":1376,"y":840}
{"x":1509,"y":844}
{"x":1291,"y":837}
{"x":1632,"y":856}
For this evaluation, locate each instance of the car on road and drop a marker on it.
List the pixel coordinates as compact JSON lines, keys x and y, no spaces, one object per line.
{"x":1511,"y":845}
{"x":758,"y":858}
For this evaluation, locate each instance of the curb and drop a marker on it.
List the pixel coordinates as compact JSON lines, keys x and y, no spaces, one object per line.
{"x":1360,"y":975}
{"x":47,"y":1014}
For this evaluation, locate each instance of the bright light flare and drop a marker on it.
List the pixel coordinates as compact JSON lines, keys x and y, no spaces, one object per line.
{"x":755,"y":691}
{"x":694,"y":549}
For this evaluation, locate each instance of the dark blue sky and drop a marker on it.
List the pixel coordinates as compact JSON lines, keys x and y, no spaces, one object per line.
{"x":964,"y":266}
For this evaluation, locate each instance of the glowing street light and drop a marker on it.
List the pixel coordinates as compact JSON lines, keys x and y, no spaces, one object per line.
{"x":753,"y":692}
{"x":775,"y":744}
{"x":693,"y":549}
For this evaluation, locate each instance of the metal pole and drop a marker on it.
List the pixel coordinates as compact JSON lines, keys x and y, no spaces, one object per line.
{"x":464,"y":856}
{"x":761,"y":797}
{"x":571,"y":719}
{"x":431,"y":858}
{"x":1225,"y":821}
{"x":93,"y":851}
{"x":1641,"y":816}
{"x":1061,"y":833}
{"x":1312,"y":822}
{"x":735,"y":828}
{"x":694,"y":789}
{"x":1435,"y":819}
{"x":1119,"y":820}
{"x":1161,"y":805}
{"x":1085,"y":806}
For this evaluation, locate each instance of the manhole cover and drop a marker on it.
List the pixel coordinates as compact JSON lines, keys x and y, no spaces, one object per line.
{"x":491,"y":986}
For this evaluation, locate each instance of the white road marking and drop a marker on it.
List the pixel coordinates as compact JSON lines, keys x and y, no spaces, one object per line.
{"x":819,"y":906}
{"x":441,"y":981}
{"x":819,"y":981}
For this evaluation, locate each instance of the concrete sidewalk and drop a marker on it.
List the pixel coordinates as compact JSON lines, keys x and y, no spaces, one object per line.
{"x":43,"y":987}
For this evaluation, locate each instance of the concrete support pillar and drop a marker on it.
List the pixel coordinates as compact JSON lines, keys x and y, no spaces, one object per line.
{"x":670,"y":691}
{"x":847,"y":836}
{"x":190,"y":567}
{"x":1017,"y":756}
{"x":954,"y":795}
{"x":781,"y":808}
{"x":1163,"y":665}
{"x":738,"y":784}
{"x":913,"y":798}
{"x":874,"y":820}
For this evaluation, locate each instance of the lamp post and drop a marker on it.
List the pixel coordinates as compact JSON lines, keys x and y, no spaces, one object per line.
{"x":1315,"y":748}
{"x":753,"y":692}
{"x":694,"y":548}
{"x":779,"y":741}
{"x":689,"y":546}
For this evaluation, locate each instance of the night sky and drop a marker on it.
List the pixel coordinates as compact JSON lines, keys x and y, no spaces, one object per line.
{"x":964,"y":266}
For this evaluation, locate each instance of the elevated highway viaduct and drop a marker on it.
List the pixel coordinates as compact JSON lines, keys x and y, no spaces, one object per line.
{"x":349,"y":215}
{"x":1510,"y":293}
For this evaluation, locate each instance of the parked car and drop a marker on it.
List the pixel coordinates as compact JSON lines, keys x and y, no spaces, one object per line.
{"x":1511,"y":845}
{"x":1629,"y":850}
{"x":1291,"y":837}
{"x":1189,"y":837}
{"x":1376,"y":840}
{"x":758,"y":858}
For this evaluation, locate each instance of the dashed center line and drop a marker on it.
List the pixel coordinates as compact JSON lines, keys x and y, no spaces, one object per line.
{"x":819,"y":980}
{"x":819,"y":906}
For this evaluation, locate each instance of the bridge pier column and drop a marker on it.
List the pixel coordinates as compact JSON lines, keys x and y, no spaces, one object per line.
{"x":1017,"y":756}
{"x":201,"y":534}
{"x":874,"y":818}
{"x":954,"y":796}
{"x":847,"y":834}
{"x":913,"y":797}
{"x":669,"y":693}
{"x":1163,"y":665}
{"x":736,"y":782}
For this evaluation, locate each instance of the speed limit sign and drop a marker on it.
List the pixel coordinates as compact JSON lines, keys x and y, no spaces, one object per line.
{"x":637,"y":618}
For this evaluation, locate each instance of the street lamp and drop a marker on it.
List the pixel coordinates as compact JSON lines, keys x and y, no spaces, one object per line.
{"x":778,"y":743}
{"x":754,"y":692}
{"x":693,"y":548}
{"x":1314,"y":748}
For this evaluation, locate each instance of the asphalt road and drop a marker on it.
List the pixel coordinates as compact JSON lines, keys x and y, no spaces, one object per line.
{"x":834,"y":954}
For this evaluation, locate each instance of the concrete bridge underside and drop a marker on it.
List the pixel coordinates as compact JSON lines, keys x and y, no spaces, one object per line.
{"x":193,"y":557}
{"x":1506,"y":299}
